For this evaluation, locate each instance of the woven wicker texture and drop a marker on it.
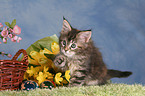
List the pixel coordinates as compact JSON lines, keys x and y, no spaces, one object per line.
{"x":12,"y":71}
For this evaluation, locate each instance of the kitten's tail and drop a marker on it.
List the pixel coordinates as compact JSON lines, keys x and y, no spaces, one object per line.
{"x":116,"y":73}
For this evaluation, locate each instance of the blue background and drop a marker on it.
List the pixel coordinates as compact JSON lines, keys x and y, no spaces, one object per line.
{"x":118,"y":28}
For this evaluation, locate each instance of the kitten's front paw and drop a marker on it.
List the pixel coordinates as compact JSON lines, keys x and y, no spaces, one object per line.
{"x":60,"y":62}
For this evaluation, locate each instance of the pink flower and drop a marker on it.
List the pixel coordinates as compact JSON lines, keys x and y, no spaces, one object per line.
{"x":19,"y":38}
{"x":11,"y":30}
{"x":4,"y":33}
{"x":17,"y":30}
{"x":10,"y":35}
{"x":13,"y":40}
{"x":16,"y":38}
{"x":0,"y":42}
{"x":1,"y":25}
{"x":4,"y":40}
{"x":9,"y":55}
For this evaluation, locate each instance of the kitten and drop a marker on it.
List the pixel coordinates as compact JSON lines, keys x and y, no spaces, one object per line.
{"x":79,"y":55}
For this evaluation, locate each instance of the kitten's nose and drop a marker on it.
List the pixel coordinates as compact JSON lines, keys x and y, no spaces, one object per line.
{"x":66,"y":48}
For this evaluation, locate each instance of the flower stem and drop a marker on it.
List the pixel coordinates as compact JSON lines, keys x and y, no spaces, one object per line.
{"x":8,"y":55}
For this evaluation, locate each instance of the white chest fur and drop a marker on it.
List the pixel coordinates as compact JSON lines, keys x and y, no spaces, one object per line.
{"x":73,"y":66}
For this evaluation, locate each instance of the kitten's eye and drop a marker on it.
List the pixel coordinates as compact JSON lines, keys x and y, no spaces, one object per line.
{"x":73,"y":45}
{"x":64,"y":43}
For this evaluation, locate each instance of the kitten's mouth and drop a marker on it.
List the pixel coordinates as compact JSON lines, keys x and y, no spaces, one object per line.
{"x":68,"y":53}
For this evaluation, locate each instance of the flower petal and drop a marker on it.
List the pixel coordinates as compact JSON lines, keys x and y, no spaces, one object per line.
{"x":67,"y":75}
{"x":31,"y":61}
{"x":17,"y":30}
{"x":4,"y":33}
{"x":1,"y":25}
{"x":58,"y":78}
{"x":55,"y":47}
{"x":45,"y":62}
{"x":35,"y":55}
{"x":41,"y":78}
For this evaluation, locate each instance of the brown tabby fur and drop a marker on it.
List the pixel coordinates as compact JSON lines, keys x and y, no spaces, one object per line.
{"x":79,"y":55}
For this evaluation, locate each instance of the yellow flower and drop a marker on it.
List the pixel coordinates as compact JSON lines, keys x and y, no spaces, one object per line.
{"x":39,"y":68}
{"x":31,"y":61}
{"x":58,"y":78}
{"x":45,"y":51}
{"x":67,"y":75}
{"x":48,"y":75}
{"x":41,"y":73}
{"x":55,"y":47}
{"x":42,"y":60}
{"x":41,"y":78}
{"x":45,"y":62}
{"x":35,"y":55}
{"x":33,"y":71}
{"x":26,"y":75}
{"x":45,"y":69}
{"x":39,"y":59}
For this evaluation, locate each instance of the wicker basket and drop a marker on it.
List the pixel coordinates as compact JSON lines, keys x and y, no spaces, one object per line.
{"x":12,"y":71}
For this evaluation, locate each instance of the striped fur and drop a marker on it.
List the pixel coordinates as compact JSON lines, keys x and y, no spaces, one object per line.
{"x":79,"y":55}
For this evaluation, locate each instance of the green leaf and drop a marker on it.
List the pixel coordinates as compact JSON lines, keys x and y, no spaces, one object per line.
{"x":46,"y":42}
{"x":8,"y":24}
{"x":41,"y":46}
{"x":35,"y":48}
{"x":49,"y":48}
{"x":31,"y":57}
{"x":0,"y":30}
{"x":13,"y":24}
{"x":50,"y":56}
{"x":1,"y":36}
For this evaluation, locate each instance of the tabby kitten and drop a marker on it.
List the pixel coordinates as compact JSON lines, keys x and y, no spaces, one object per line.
{"x":79,"y":55}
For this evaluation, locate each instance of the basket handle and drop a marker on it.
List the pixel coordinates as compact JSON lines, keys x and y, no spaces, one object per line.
{"x":25,"y":58}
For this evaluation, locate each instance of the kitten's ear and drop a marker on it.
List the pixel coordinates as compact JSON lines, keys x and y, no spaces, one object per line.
{"x":66,"y":26}
{"x":85,"y":36}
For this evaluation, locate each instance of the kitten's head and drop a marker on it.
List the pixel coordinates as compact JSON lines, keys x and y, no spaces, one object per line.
{"x":73,"y":41}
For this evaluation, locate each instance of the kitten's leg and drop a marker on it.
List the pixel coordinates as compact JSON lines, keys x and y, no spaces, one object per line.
{"x":91,"y":82}
{"x":78,"y":78}
{"x":60,"y":63}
